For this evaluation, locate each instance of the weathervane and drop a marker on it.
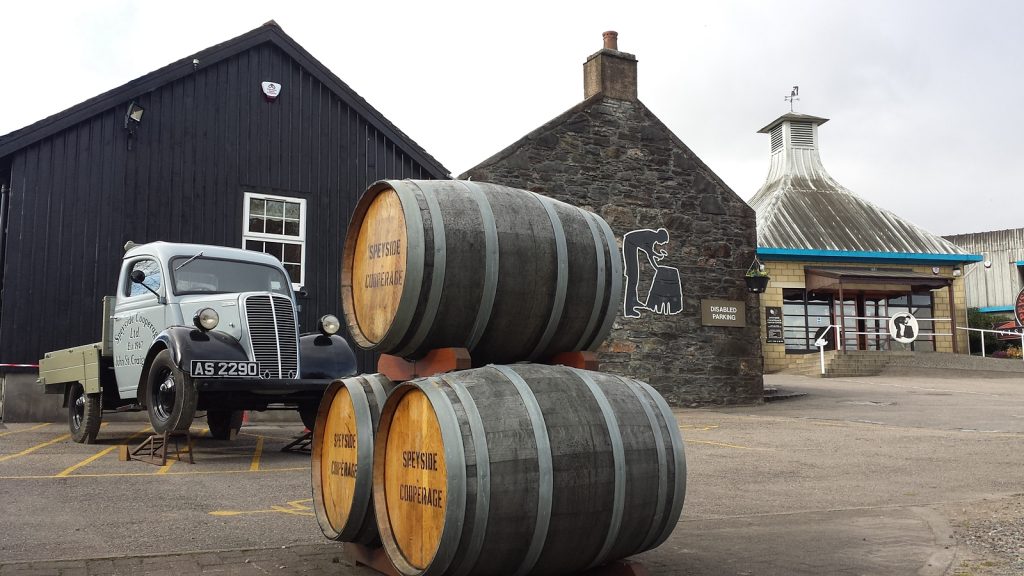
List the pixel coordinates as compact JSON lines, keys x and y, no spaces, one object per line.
{"x":792,"y":97}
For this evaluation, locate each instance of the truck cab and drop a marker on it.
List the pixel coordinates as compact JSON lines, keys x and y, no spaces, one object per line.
{"x":198,"y":328}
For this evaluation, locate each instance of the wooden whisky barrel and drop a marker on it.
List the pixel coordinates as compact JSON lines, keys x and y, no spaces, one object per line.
{"x":524,"y":469}
{"x":506,"y":273}
{"x":342,"y":457}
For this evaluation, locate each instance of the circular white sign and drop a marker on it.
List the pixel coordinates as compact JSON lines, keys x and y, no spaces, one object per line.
{"x":903,"y":327}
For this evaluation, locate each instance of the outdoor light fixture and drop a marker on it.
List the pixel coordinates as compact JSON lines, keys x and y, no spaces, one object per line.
{"x":132,"y":118}
{"x":957,"y":271}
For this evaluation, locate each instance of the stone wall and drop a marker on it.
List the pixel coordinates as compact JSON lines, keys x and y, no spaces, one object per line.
{"x":615,"y":158}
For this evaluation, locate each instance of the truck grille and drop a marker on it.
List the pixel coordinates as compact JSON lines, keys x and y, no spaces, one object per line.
{"x":273,"y":335}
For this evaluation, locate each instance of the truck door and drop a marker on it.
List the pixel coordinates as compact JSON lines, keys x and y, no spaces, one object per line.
{"x":138,"y":318}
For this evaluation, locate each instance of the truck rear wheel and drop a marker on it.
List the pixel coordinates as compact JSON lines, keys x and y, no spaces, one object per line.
{"x":170,"y":395}
{"x":224,"y":423}
{"x":85,"y":412}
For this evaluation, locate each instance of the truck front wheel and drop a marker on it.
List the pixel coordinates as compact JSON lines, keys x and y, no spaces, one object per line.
{"x":84,"y":414}
{"x":224,"y":424}
{"x":170,"y":395}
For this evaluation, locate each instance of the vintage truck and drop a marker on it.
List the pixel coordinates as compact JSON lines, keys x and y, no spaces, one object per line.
{"x":197,"y":328}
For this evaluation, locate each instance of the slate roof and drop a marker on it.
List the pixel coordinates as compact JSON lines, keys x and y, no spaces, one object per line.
{"x":271,"y":33}
{"x":800,"y":206}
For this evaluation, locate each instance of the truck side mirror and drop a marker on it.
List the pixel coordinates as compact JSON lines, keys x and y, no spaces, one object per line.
{"x":139,"y":277}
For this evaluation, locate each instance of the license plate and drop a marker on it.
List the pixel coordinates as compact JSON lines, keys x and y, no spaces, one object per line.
{"x":225,"y":369}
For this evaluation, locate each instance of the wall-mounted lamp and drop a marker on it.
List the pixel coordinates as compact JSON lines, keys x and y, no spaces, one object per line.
{"x":132,"y":118}
{"x":957,"y":271}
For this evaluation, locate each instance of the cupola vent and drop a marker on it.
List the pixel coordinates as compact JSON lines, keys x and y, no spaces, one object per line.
{"x":801,"y":134}
{"x":777,"y":138}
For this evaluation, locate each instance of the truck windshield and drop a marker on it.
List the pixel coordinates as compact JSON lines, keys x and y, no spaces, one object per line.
{"x":217,"y":276}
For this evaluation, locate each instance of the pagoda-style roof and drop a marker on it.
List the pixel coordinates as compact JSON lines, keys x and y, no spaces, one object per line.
{"x":804,"y":210}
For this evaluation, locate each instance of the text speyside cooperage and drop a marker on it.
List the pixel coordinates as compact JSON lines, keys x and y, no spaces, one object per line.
{"x":378,"y":250}
{"x":344,"y":467}
{"x":433,"y":497}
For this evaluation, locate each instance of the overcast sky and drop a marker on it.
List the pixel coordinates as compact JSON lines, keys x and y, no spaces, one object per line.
{"x":925,"y":98}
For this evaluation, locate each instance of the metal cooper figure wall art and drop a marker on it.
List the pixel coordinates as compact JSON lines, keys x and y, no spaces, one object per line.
{"x":665,"y":295}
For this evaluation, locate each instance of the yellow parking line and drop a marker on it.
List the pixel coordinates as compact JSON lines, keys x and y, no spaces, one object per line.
{"x":36,"y":447}
{"x":724,"y":445}
{"x":703,"y":428}
{"x":268,"y":436}
{"x":67,"y":471}
{"x":194,"y":473}
{"x":255,"y":466}
{"x":36,"y":427}
{"x":295,"y":507}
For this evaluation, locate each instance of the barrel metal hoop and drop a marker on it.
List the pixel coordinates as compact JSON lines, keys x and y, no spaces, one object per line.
{"x":545,"y":469}
{"x":562,"y":280}
{"x":437,"y":276}
{"x":588,"y":333}
{"x":364,"y":452}
{"x":379,"y":394}
{"x":679,"y":459}
{"x":316,"y":464}
{"x":619,"y":460}
{"x":413,"y":266}
{"x":483,"y":474}
{"x":615,"y":295}
{"x":380,"y":502}
{"x":659,"y":446}
{"x":455,"y":463}
{"x":490,"y":288}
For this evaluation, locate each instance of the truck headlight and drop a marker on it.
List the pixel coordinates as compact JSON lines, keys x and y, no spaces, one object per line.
{"x":329,"y":324}
{"x":206,"y":319}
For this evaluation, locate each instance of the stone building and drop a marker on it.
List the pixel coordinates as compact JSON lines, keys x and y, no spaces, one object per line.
{"x":837,"y":260}
{"x":612,"y":155}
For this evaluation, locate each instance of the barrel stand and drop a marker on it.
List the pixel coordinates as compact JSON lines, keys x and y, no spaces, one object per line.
{"x":375,"y":559}
{"x":441,"y":360}
{"x":153,"y":450}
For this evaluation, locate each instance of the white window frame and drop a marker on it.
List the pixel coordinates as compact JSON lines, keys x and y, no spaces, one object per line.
{"x":265,"y":237}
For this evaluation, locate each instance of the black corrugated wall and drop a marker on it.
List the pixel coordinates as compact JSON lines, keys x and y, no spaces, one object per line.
{"x":204,"y":141}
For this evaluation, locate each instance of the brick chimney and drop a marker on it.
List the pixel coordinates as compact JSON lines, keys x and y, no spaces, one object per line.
{"x":610,"y":72}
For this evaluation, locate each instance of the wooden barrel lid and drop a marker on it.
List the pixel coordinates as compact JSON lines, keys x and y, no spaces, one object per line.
{"x":379,"y":265}
{"x":415,"y":479}
{"x":339,"y":459}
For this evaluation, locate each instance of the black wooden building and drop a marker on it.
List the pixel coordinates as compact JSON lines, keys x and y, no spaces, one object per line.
{"x":215,"y":159}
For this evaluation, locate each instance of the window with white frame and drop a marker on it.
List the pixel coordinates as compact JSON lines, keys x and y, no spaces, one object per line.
{"x":277,"y":225}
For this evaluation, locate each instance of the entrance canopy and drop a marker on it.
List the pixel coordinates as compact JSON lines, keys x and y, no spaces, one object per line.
{"x":853,"y":281}
{"x":880,"y":279}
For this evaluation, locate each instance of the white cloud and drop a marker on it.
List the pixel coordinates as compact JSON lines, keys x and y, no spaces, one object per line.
{"x":923,"y":96}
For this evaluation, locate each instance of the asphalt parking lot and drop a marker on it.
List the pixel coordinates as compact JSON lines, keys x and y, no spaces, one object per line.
{"x":890,"y":475}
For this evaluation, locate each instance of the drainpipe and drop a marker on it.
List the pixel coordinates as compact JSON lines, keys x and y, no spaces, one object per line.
{"x":5,"y":200}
